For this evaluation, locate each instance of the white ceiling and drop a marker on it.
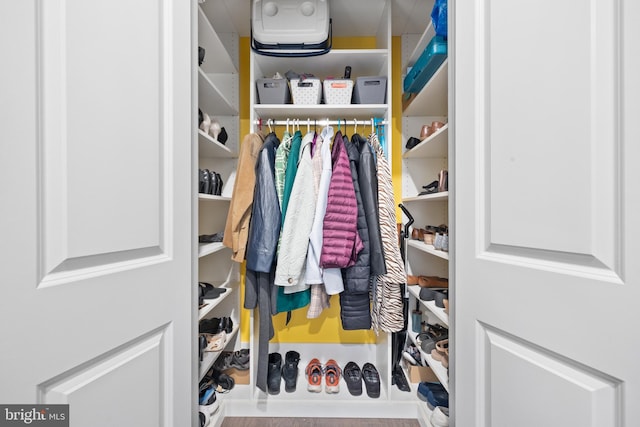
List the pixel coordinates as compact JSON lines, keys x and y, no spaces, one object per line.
{"x":351,"y":18}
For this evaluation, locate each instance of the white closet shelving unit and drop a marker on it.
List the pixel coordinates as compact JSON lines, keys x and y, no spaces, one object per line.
{"x":218,"y":96}
{"x":420,"y":166}
{"x":392,"y":403}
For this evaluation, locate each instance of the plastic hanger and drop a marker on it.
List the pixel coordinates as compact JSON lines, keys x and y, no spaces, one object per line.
{"x":269,"y":124}
{"x":355,"y":126}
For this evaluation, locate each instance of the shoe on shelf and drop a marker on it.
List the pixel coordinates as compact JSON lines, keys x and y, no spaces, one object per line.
{"x":441,"y":352}
{"x":313,"y":372}
{"x":412,"y":280}
{"x":412,"y":355}
{"x":208,"y":290}
{"x":443,"y":181}
{"x":290,"y":370}
{"x":215,"y":183}
{"x":440,"y":296}
{"x":206,"y":123}
{"x":204,"y":185}
{"x":221,"y":382}
{"x":238,"y":359}
{"x":440,"y":417}
{"x":201,"y":53}
{"x":219,"y":184}
{"x":434,"y":394}
{"x":353,"y":377}
{"x":274,"y":373}
{"x":205,"y":418}
{"x":332,"y":374}
{"x":412,"y":142}
{"x":371,"y":379}
{"x":211,"y":238}
{"x":433,"y":282}
{"x":216,"y":342}
{"x":214,"y":129}
{"x":208,"y":399}
{"x":399,"y":379}
{"x":222,"y":136}
{"x":430,"y":188}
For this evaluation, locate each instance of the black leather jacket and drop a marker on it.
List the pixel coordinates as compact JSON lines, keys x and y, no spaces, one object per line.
{"x":368,"y":180}
{"x":265,"y":215}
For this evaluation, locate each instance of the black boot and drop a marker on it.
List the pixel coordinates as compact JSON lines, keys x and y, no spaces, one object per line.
{"x":290,"y":370}
{"x":274,"y":373}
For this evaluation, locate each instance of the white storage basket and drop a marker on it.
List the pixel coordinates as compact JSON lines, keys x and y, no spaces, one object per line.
{"x":337,"y":91}
{"x":307,"y":91}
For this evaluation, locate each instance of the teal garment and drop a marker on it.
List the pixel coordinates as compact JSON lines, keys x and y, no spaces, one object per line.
{"x":289,"y":302}
{"x":282,"y":155}
{"x":291,"y":170}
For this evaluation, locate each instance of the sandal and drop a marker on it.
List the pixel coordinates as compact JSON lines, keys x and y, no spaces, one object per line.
{"x":216,"y":342}
{"x":332,"y":373}
{"x":441,"y":352}
{"x":314,"y":376}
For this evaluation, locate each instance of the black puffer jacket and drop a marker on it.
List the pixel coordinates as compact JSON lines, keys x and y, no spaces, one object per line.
{"x":356,"y":277}
{"x":354,"y":300}
{"x":368,"y":180}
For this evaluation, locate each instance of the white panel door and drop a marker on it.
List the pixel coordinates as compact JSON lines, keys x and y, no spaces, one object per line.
{"x":96,"y":249}
{"x":547,"y":278}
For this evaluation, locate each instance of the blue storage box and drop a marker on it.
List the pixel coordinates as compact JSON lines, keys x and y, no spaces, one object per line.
{"x":427,"y":64}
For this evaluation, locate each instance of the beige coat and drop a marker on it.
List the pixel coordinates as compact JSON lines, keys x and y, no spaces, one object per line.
{"x":236,"y":230}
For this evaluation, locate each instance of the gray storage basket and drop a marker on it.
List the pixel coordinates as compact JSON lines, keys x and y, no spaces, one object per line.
{"x":370,"y":90}
{"x":273,"y":91}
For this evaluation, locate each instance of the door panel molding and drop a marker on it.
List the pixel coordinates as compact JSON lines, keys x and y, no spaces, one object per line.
{"x":85,"y":385}
{"x":578,"y":265}
{"x":505,"y":356}
{"x":84,"y":87}
{"x":522,"y":161}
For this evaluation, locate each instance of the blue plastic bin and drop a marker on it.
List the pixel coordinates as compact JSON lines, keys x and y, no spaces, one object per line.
{"x":427,"y":64}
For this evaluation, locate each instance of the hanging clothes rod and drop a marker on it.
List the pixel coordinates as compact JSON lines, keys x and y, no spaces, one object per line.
{"x":321,"y":122}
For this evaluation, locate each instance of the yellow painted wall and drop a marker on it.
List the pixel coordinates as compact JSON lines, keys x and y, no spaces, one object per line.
{"x":327,"y":328}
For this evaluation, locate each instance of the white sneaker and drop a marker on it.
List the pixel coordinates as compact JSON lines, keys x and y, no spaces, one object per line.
{"x":440,"y":417}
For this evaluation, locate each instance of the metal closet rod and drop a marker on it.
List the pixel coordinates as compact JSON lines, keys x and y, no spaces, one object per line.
{"x":321,"y":122}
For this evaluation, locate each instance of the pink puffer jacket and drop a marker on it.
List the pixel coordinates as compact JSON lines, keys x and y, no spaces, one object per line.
{"x":340,"y":240}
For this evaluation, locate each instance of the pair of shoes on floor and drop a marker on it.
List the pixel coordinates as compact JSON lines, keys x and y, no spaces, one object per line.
{"x":279,"y":370}
{"x":210,"y":126}
{"x":238,"y":359}
{"x":315,"y":372}
{"x":354,"y":377}
{"x":209,"y":182}
{"x":434,"y":394}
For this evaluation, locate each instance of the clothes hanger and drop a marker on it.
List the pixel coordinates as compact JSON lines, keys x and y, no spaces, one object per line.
{"x":308,"y":125}
{"x":355,"y":126}
{"x":269,"y":124}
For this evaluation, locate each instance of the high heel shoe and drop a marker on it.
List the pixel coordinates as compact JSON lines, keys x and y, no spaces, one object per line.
{"x":206,"y":123}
